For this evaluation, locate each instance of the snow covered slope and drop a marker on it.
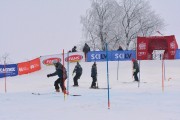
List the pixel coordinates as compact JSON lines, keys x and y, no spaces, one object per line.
{"x":128,"y":100}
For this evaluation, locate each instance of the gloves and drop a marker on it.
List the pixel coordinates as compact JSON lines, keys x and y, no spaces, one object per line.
{"x":49,"y":75}
{"x":134,"y":70}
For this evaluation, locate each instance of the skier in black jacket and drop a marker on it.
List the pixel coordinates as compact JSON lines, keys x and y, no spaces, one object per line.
{"x":94,"y":75}
{"x":135,"y":69}
{"x":62,"y":74}
{"x":78,"y":71}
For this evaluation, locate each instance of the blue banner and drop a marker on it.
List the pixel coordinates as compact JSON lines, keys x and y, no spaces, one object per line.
{"x":8,"y":70}
{"x":123,"y":55}
{"x":177,"y":56}
{"x":94,"y":56}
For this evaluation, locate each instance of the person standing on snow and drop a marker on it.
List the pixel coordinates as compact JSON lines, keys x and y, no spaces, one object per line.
{"x":78,"y":71}
{"x":62,"y":74}
{"x":94,"y":75}
{"x":86,"y":49}
{"x":135,"y":69}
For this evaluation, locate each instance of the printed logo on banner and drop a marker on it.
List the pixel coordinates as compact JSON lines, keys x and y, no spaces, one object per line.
{"x":7,"y":70}
{"x":141,"y":53}
{"x":10,"y":70}
{"x":49,"y":61}
{"x":98,"y":56}
{"x":74,"y":58}
{"x":123,"y":56}
{"x":34,"y":66}
{"x":173,"y":52}
{"x":142,"y":46}
{"x":21,"y":69}
{"x":172,"y":45}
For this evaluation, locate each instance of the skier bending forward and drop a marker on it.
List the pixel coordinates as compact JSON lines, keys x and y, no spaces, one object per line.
{"x":62,"y":74}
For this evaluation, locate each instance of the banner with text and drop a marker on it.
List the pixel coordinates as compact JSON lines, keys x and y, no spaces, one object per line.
{"x":29,"y":66}
{"x":8,"y":70}
{"x":94,"y":56}
{"x":71,"y":57}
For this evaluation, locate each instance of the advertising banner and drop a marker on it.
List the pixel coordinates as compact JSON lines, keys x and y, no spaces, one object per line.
{"x":73,"y":57}
{"x":8,"y":70}
{"x":48,"y":59}
{"x":23,"y":68}
{"x":29,"y":66}
{"x":123,"y":55}
{"x":35,"y":65}
{"x":142,"y":48}
{"x":97,"y":56}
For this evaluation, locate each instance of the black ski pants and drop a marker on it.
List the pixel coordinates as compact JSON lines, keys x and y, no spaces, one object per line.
{"x":94,"y":80}
{"x":61,"y":82}
{"x":76,"y":77}
{"x":136,"y":76}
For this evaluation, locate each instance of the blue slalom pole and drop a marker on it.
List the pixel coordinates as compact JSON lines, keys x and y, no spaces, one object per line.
{"x":107,"y":76}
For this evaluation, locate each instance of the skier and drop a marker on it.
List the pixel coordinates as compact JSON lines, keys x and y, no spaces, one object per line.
{"x":74,"y":49}
{"x":86,"y":49}
{"x":135,"y":69}
{"x":94,"y":75}
{"x":78,"y":71}
{"x":62,"y":74}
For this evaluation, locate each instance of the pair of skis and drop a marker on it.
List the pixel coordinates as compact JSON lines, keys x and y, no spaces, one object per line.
{"x":37,"y":93}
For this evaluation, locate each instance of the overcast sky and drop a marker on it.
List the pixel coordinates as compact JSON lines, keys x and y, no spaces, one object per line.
{"x":33,"y":28}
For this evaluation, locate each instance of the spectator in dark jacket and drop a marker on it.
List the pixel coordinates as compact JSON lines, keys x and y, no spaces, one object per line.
{"x":135,"y":69}
{"x":78,"y":71}
{"x":74,"y":49}
{"x":86,"y":49}
{"x":62,"y":74}
{"x":94,"y":75}
{"x":120,"y":48}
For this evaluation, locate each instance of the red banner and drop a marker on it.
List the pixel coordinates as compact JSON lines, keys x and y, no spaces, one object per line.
{"x":23,"y":68}
{"x":28,"y":67}
{"x":146,"y":45}
{"x":35,"y":65}
{"x":142,"y":48}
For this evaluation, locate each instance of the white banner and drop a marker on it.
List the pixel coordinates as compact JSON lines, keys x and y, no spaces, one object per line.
{"x":72,"y":58}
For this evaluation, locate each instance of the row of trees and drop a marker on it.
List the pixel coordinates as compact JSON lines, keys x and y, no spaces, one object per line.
{"x":119,"y":23}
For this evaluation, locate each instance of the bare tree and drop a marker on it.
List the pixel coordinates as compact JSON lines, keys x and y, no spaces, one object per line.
{"x":5,"y":58}
{"x":99,"y":23}
{"x":119,"y":23}
{"x":138,"y":19}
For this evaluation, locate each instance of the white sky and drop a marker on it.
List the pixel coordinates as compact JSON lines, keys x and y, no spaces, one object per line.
{"x":33,"y":28}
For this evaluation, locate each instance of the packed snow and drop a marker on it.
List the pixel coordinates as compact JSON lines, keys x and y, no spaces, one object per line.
{"x":128,"y":100}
